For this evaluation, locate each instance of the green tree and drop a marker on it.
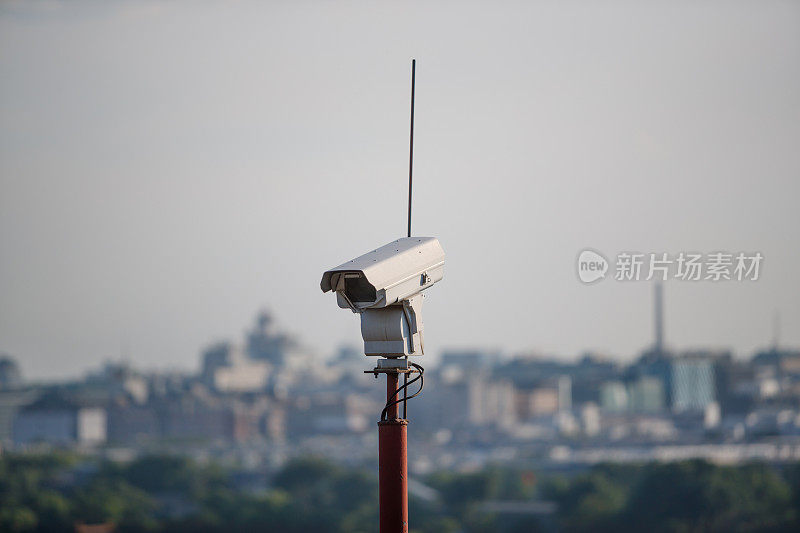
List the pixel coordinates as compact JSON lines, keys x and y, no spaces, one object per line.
{"x":114,"y":501}
{"x":698,"y":496}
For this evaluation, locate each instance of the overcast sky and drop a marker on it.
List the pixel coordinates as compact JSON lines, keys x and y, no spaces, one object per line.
{"x":168,"y":169}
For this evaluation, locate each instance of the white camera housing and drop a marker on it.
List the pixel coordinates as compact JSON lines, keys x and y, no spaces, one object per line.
{"x":384,"y":286}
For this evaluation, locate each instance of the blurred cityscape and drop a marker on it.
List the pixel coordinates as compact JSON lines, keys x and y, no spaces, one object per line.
{"x":263,"y":401}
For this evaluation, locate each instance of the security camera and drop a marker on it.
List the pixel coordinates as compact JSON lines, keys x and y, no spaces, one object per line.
{"x":385,"y":287}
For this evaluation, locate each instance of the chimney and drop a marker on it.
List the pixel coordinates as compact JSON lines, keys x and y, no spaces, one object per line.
{"x":659,"y":318}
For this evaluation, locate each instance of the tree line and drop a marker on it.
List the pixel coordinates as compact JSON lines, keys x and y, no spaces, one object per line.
{"x":59,"y":491}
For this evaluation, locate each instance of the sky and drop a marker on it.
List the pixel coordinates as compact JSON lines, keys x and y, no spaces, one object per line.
{"x":167,"y":169}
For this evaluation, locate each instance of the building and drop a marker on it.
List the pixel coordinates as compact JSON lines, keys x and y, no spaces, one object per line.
{"x":131,"y":423}
{"x":227,"y":369}
{"x":116,"y":380}
{"x":614,"y":397}
{"x":11,"y":401}
{"x":646,"y":395}
{"x":693,"y":382}
{"x":61,"y":421}
{"x":10,"y":375}
{"x":784,"y":362}
{"x":543,"y":398}
{"x":265,"y":343}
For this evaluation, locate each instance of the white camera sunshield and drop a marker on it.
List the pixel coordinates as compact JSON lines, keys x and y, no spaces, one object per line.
{"x":387,"y":275}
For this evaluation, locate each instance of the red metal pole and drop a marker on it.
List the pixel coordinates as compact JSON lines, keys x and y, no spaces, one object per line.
{"x":392,"y":466}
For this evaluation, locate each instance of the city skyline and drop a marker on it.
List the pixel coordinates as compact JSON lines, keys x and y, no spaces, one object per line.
{"x":265,"y":321}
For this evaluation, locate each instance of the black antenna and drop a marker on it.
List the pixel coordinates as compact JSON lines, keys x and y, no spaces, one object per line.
{"x":411,"y":145}
{"x":410,"y":182}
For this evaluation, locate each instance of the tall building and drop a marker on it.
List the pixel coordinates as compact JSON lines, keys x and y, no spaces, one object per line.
{"x":693,"y":382}
{"x":266,"y":344}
